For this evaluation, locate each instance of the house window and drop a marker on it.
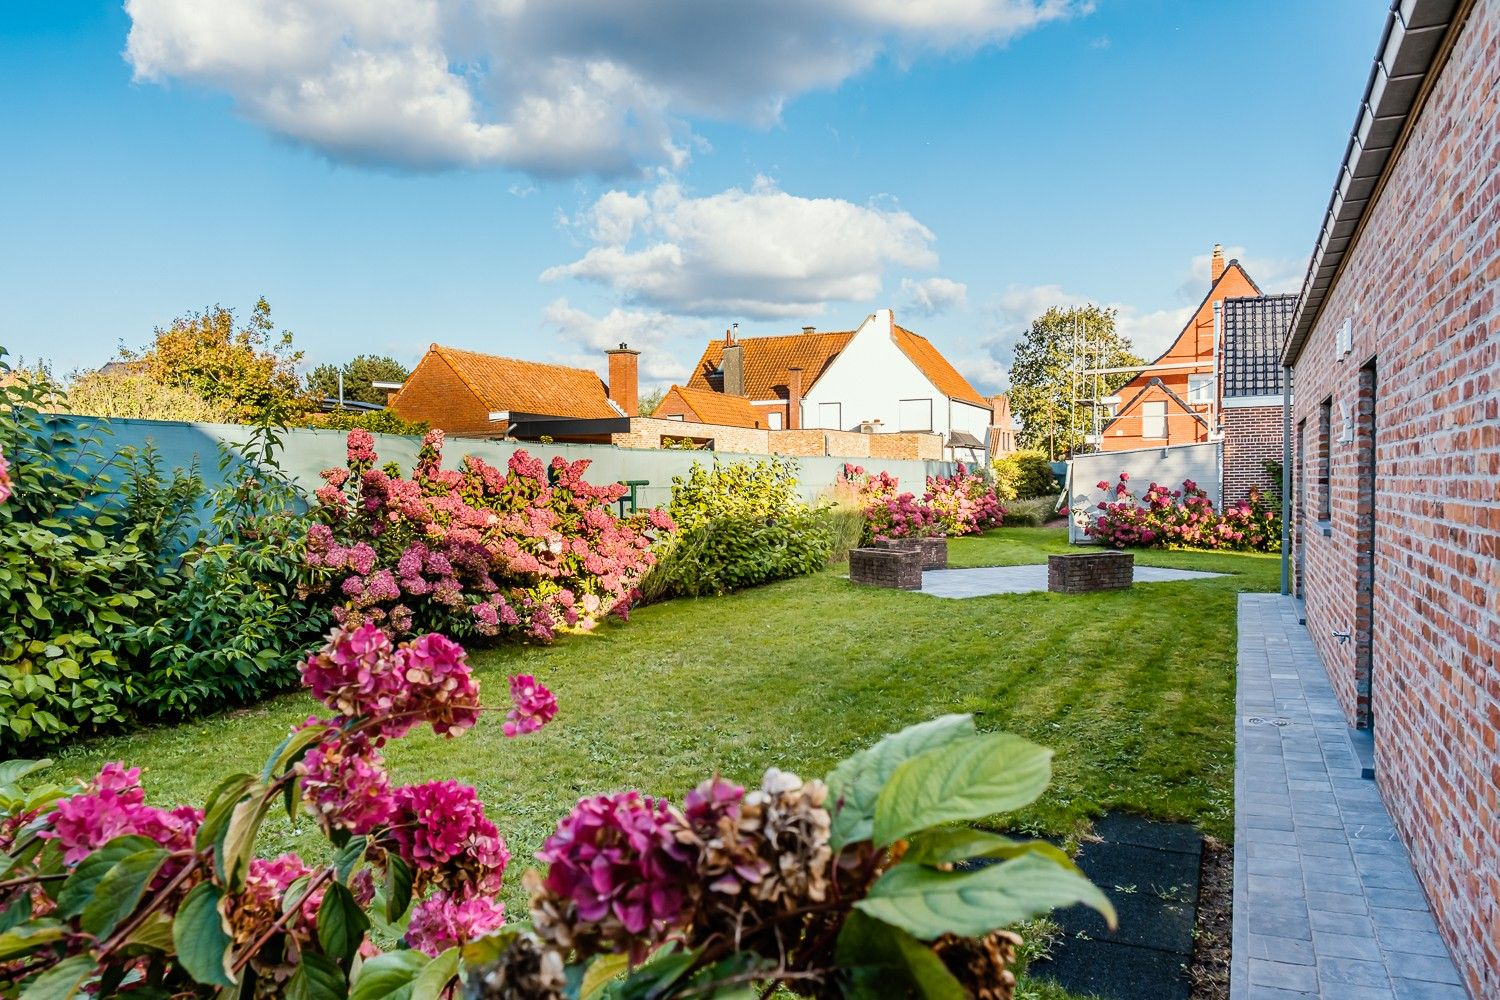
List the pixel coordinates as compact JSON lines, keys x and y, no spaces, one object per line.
{"x":1325,"y":459}
{"x":675,"y":416}
{"x":831,"y":415}
{"x":1200,"y":389}
{"x":1154,"y":419}
{"x":773,"y":420}
{"x":915,"y":415}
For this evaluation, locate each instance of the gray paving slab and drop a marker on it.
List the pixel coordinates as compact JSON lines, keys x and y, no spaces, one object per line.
{"x":1325,"y":901}
{"x":986,"y":581}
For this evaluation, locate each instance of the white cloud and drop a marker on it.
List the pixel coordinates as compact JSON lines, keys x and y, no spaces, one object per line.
{"x":931,"y":296}
{"x":1272,"y":275}
{"x":665,"y":342}
{"x":546,"y":86}
{"x":756,"y":254}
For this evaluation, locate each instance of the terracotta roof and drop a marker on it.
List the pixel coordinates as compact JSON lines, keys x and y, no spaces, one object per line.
{"x":717,"y":408}
{"x":937,"y":369}
{"x":527,"y":386}
{"x":767,"y":360}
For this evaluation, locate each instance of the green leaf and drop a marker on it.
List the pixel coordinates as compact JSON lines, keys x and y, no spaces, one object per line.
{"x":201,"y":936}
{"x":348,"y":857}
{"x":654,"y":977}
{"x":237,"y":842}
{"x":221,"y":802}
{"x":601,"y":972}
{"x":437,"y":975}
{"x":119,"y":892}
{"x":78,"y":890}
{"x":965,"y":780}
{"x":927,"y":903}
{"x":12,"y":771}
{"x":865,"y":942}
{"x":939,"y":847}
{"x":155,"y":933}
{"x":291,"y":749}
{"x":61,"y":982}
{"x":397,"y":888}
{"x":855,"y":784}
{"x":389,"y":977}
{"x":316,"y":978}
{"x":29,"y":937}
{"x":341,"y":922}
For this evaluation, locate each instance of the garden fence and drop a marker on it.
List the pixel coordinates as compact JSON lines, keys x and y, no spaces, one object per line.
{"x":1167,"y":466}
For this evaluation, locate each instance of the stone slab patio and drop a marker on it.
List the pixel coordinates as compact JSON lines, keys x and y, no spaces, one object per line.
{"x":986,"y":581}
{"x":1325,"y":901}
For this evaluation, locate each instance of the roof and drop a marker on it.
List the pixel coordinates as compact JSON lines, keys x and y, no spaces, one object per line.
{"x":768,"y":359}
{"x":526,"y":386}
{"x":1233,"y":265}
{"x":1254,"y":330}
{"x":963,"y":439}
{"x":1156,"y":383}
{"x":716,"y":407}
{"x":937,"y":369}
{"x":1410,"y":55}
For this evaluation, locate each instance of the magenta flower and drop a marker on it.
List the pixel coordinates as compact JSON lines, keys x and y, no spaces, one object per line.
{"x":113,"y":805}
{"x":352,"y":674}
{"x":440,"y":683}
{"x":442,"y":921}
{"x":5,"y":483}
{"x":535,"y":706}
{"x":345,"y":781}
{"x":441,"y":830}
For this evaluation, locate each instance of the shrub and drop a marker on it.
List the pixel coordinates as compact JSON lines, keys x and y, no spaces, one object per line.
{"x":1007,"y":473}
{"x":527,"y":550}
{"x":960,"y":504}
{"x":1185,"y":517}
{"x":848,"y":884}
{"x":1033,"y":513}
{"x":1034,"y":476}
{"x":374,"y":421}
{"x":964,"y":503}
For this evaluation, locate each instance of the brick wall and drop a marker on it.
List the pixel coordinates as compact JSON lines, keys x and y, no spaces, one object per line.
{"x":1252,"y":437}
{"x":648,"y":432}
{"x":1083,"y":572}
{"x":907,"y":445}
{"x":1420,"y":286}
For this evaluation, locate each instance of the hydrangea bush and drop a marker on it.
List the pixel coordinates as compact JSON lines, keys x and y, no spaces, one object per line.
{"x":1164,"y":517}
{"x":964,"y":503}
{"x":528,"y":550}
{"x":961,"y":504}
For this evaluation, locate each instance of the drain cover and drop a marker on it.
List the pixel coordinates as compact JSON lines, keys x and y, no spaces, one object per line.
{"x":1255,"y":720}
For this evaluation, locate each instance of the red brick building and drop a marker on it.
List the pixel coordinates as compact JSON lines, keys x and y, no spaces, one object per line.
{"x":1395,"y":351}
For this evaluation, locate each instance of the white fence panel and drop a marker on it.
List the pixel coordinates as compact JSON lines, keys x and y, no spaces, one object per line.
{"x":1202,"y":463}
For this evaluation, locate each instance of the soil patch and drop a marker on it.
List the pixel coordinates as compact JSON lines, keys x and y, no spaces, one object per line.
{"x":1209,"y":971}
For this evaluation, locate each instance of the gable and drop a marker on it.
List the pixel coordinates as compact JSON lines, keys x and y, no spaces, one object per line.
{"x":944,"y":377}
{"x":709,"y":407}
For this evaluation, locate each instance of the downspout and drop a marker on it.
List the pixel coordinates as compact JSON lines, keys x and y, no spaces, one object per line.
{"x":1286,"y":480}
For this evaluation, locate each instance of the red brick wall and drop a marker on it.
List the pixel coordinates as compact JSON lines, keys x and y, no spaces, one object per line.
{"x":1252,"y":437}
{"x":1421,"y":287}
{"x":433,"y":392}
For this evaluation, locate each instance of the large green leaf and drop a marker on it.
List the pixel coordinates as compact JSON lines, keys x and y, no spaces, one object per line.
{"x":927,"y":903}
{"x":601,"y":972}
{"x":236,"y":844}
{"x":201,"y":936}
{"x":397,"y":888}
{"x":79,"y":888}
{"x":12,"y":771}
{"x":389,"y":977}
{"x":432,"y":980}
{"x":291,"y":749}
{"x":904,"y":963}
{"x":855,"y":784}
{"x":964,"y":780}
{"x":29,"y":937}
{"x":947,"y":846}
{"x":119,"y":892}
{"x":350,"y":855}
{"x":61,"y":982}
{"x":341,"y":922}
{"x":221,"y":802}
{"x":316,"y":978}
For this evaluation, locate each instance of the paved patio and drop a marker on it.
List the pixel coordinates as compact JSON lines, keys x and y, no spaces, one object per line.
{"x":988,"y":580}
{"x":1325,"y":902}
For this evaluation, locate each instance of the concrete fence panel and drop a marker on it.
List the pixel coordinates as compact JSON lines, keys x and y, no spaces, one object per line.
{"x":1167,"y":466}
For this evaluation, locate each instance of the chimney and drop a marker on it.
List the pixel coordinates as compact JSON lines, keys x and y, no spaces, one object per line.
{"x":1216,"y":267}
{"x":809,"y":329}
{"x":729,"y":334}
{"x":794,"y":399}
{"x":624,"y":378}
{"x":733,"y":367}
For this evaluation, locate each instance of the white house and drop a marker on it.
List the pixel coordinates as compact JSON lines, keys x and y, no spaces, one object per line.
{"x":880,"y":378}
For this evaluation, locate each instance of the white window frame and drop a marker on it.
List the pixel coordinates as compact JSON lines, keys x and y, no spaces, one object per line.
{"x":838,"y":416}
{"x":1154,"y":409}
{"x":1201,"y":393}
{"x":918,"y":423}
{"x":773,"y":420}
{"x":675,"y":416}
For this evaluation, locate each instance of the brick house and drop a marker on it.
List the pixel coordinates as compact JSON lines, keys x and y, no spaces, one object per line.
{"x":468,"y":393}
{"x":1252,"y":406}
{"x":878,"y":378}
{"x":705,"y":406}
{"x":1001,"y":439}
{"x":1395,"y":352}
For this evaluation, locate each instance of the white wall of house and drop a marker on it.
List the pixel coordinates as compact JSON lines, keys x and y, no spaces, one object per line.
{"x":873,"y":379}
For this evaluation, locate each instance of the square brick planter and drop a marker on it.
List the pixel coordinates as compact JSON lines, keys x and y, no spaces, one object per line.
{"x":934,"y":550}
{"x":1081,"y":572}
{"x":900,"y":568}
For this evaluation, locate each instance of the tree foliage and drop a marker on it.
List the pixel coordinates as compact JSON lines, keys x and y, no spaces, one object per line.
{"x":360,"y":374}
{"x":650,"y":401}
{"x":128,"y":393}
{"x":1042,"y":376}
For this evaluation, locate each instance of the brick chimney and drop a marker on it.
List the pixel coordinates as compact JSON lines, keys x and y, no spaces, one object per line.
{"x":809,"y":329}
{"x":733,"y":367}
{"x":794,"y":399}
{"x":1216,"y":266}
{"x":624,"y":378}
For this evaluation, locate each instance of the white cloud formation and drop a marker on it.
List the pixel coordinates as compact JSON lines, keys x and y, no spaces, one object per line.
{"x":552,"y":87}
{"x":931,"y":296}
{"x":664,"y":341}
{"x":1272,"y":275}
{"x":756,"y":254}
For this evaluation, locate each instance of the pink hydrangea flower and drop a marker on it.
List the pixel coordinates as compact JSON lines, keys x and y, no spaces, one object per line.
{"x":441,"y":830}
{"x":442,"y":921}
{"x":113,"y":805}
{"x":345,"y":781}
{"x":361,"y":447}
{"x":535,"y":706}
{"x":5,"y":483}
{"x":439,"y":681}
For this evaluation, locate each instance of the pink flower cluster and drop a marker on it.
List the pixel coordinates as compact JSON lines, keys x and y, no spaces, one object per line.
{"x":345,"y":782}
{"x":1183,"y":517}
{"x":441,"y":830}
{"x":533,"y":706}
{"x":113,"y":805}
{"x":442,"y":921}
{"x":360,"y":674}
{"x":5,"y":484}
{"x":960,"y":504}
{"x":528,"y":549}
{"x":964,"y":503}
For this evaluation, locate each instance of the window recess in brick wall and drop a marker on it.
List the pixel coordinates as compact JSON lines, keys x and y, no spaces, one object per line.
{"x":1325,"y":464}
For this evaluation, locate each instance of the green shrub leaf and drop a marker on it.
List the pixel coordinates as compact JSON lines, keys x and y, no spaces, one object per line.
{"x":201,"y":937}
{"x":965,"y":780}
{"x":316,"y":978}
{"x":119,"y":892}
{"x":79,"y":888}
{"x":29,"y":937}
{"x":867,"y":943}
{"x":341,"y":922}
{"x":438,"y":973}
{"x":397,"y":888}
{"x":61,"y":982}
{"x":855,"y":784}
{"x":937,"y":847}
{"x":391,"y":976}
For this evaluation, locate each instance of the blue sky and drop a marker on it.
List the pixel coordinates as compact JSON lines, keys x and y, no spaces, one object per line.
{"x":390,"y":173}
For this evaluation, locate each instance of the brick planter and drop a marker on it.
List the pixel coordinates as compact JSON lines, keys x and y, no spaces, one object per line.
{"x":900,"y":568}
{"x":1081,"y":572}
{"x":934,"y":550}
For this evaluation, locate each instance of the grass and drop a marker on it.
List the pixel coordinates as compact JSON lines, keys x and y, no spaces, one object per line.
{"x":1134,"y":690}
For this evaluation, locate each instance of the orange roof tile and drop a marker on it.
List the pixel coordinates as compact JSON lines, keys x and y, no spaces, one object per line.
{"x":530,"y":386}
{"x":767,"y":360}
{"x":936,"y":367}
{"x":717,"y":408}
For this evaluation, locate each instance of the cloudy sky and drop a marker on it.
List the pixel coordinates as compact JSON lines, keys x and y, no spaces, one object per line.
{"x":545,"y":178}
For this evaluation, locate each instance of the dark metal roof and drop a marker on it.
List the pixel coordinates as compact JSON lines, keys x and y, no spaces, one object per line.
{"x":1409,"y":53}
{"x":1254,"y":330}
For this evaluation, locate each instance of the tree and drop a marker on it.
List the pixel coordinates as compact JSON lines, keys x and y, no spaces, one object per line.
{"x":1046,"y":392}
{"x":250,"y":373}
{"x":650,"y":401}
{"x":360,"y":374}
{"x":125,"y":392}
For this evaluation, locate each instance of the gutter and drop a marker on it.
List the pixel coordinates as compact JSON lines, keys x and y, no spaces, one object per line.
{"x":1413,"y":50}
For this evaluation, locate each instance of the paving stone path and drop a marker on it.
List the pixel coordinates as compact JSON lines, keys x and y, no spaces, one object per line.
{"x":1325,"y":902}
{"x":988,"y":580}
